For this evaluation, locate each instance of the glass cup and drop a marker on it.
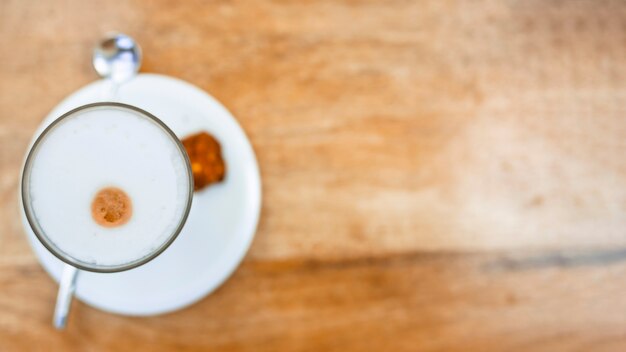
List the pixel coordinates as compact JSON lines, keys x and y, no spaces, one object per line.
{"x":74,"y":262}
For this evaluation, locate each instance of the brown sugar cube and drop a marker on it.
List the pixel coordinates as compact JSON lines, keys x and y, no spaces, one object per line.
{"x":205,"y":155}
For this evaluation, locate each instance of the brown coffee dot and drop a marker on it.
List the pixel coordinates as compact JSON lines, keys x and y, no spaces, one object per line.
{"x":111,"y":207}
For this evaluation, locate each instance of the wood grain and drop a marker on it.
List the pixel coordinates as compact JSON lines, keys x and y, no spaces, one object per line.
{"x":437,"y":175}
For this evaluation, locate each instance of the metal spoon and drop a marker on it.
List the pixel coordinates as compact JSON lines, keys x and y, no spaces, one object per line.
{"x":117,"y":59}
{"x":67,"y":286}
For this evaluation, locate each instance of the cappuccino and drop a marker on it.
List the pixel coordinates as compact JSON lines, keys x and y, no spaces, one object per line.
{"x":107,"y":186}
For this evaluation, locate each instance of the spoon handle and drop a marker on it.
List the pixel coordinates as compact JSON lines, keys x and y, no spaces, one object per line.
{"x":109,"y":90}
{"x":67,"y":286}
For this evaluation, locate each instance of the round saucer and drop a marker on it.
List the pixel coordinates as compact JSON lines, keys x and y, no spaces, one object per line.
{"x":220,"y":226}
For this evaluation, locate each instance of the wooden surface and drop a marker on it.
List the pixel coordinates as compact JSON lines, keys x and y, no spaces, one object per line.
{"x":437,"y":175}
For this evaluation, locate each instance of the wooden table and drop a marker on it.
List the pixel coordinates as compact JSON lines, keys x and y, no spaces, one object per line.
{"x":437,"y":175}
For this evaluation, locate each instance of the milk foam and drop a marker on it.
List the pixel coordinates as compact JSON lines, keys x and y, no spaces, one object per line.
{"x":108,"y":147}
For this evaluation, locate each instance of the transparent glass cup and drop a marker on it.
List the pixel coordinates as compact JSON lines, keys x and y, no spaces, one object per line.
{"x":73,"y":264}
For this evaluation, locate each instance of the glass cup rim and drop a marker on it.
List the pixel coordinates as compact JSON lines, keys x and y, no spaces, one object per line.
{"x":40,"y":234}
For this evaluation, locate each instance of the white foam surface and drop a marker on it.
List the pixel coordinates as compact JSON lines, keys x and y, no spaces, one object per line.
{"x":100,"y":148}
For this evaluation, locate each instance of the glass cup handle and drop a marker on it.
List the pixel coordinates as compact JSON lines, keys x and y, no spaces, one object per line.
{"x":67,"y":286}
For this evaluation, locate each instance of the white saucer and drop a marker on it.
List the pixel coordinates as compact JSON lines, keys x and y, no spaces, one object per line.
{"x":222,"y":221}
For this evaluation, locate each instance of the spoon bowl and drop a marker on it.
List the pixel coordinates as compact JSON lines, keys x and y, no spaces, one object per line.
{"x":117,"y":57}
